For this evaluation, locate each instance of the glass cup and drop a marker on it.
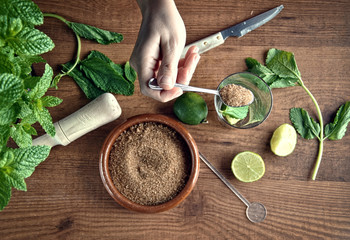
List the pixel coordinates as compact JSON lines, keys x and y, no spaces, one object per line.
{"x":251,"y":115}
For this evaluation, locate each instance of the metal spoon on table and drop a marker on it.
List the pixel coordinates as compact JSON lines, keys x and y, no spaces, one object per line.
{"x":256,"y":212}
{"x":152,"y":84}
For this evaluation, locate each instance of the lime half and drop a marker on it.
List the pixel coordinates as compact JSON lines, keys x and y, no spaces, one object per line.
{"x":248,"y":166}
{"x":283,"y":140}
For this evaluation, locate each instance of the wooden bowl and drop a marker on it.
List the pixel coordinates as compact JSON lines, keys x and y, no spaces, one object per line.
{"x":106,"y":176}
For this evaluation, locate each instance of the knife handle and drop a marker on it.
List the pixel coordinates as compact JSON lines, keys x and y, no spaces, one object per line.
{"x":98,"y":112}
{"x":205,"y":44}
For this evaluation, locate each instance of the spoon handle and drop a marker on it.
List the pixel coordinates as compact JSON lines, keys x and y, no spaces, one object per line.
{"x":196,"y":89}
{"x":224,"y":180}
{"x":154,"y":85}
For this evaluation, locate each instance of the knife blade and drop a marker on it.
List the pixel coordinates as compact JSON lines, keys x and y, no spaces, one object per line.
{"x":237,"y":30}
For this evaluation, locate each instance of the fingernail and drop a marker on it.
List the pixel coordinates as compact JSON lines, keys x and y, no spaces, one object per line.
{"x":196,"y":50}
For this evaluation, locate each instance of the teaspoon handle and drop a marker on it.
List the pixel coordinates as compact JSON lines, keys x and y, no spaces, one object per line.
{"x":154,"y":85}
{"x":196,"y":89}
{"x":224,"y":180}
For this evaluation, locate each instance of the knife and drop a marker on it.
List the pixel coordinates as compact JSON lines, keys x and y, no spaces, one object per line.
{"x":237,"y":30}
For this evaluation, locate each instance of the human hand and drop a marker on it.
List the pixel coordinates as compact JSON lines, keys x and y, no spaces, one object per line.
{"x":158,"y":49}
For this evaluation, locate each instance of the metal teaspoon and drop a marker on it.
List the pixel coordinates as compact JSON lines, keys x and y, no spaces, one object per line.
{"x":152,"y":84}
{"x":256,"y":212}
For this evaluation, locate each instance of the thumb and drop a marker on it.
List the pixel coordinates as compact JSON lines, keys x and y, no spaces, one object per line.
{"x":167,"y":73}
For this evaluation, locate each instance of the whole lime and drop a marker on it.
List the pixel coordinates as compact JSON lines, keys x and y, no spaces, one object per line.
{"x":190,"y":108}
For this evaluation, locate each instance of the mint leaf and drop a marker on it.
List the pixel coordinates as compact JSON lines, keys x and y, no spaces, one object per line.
{"x":9,"y":115}
{"x":304,"y":124}
{"x":5,"y":190}
{"x":130,"y":73}
{"x":262,"y":71}
{"x":15,"y":166}
{"x":283,"y":64}
{"x":105,"y":77}
{"x":99,"y":55}
{"x":117,"y":67}
{"x":50,"y":101}
{"x":20,"y":136}
{"x":271,"y":78}
{"x":86,"y":85}
{"x":26,"y":10}
{"x":337,"y":129}
{"x":234,"y":112}
{"x":30,"y":41}
{"x":4,"y":136}
{"x":44,"y":118}
{"x":93,"y":33}
{"x":11,"y":89}
{"x":26,"y":159}
{"x":43,"y":85}
{"x":25,"y":63}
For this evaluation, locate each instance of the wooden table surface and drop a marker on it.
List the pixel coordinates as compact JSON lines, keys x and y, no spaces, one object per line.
{"x":66,"y":198}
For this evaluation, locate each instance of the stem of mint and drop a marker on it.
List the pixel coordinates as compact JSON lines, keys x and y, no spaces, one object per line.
{"x":320,"y":137}
{"x":77,"y":60}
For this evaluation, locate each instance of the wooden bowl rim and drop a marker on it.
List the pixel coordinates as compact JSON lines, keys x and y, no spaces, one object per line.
{"x":107,"y":147}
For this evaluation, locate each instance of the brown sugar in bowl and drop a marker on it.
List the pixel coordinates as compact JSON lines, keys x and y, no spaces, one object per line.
{"x":105,"y":173}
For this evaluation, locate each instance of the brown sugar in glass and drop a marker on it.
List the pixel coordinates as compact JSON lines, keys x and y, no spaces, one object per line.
{"x":235,"y":96}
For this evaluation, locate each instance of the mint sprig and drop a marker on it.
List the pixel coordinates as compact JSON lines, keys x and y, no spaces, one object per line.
{"x":281,"y":71}
{"x":23,"y":99}
{"x":15,"y":166}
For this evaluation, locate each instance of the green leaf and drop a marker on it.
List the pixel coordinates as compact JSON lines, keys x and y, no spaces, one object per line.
{"x":8,"y":66}
{"x":20,"y":136}
{"x":43,"y":85}
{"x":25,"y":62}
{"x":16,"y":181}
{"x":262,"y":71}
{"x":31,"y":41}
{"x":271,"y":78}
{"x":337,"y":129}
{"x":86,"y":85}
{"x":130,"y":73}
{"x":99,"y":55}
{"x":44,"y":118}
{"x":304,"y":124}
{"x":283,"y":64}
{"x":4,"y":136}
{"x":283,"y":82}
{"x":234,"y":112}
{"x":93,"y":33}
{"x":117,"y":67}
{"x":105,"y":77}
{"x":5,"y":191}
{"x":15,"y":166}
{"x":9,"y":115}
{"x":26,"y":10}
{"x":51,"y":101}
{"x":26,"y":159}
{"x":11,"y":89}
{"x":25,"y":110}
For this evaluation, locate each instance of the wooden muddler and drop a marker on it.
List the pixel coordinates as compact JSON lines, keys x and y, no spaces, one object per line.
{"x":98,"y":112}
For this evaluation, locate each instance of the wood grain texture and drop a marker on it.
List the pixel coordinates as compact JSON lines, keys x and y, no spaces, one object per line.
{"x":66,"y":198}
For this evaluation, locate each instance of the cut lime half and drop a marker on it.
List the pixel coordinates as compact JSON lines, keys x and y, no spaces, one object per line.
{"x":248,"y":166}
{"x":283,"y":140}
